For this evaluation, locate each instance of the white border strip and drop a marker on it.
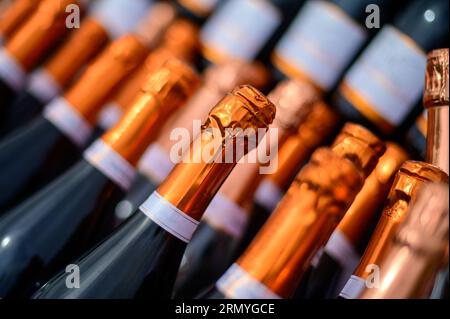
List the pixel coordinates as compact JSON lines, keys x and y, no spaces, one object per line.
{"x":169,"y":217}
{"x":236,"y":283}
{"x":342,"y":250}
{"x":11,"y":71}
{"x":68,"y":120}
{"x":268,"y":195}
{"x":109,"y":115}
{"x":226,"y":215}
{"x":110,"y":163}
{"x":353,"y":288}
{"x":43,"y":86}
{"x":156,"y":163}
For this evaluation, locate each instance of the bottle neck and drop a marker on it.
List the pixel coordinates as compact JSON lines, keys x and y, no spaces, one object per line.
{"x":193,"y":183}
{"x":358,"y":218}
{"x":437,"y":137}
{"x":15,"y":14}
{"x":89,"y":93}
{"x":410,"y":276}
{"x":409,"y":180}
{"x":278,"y":255}
{"x":131,"y":136}
{"x":82,"y":45}
{"x":41,"y":31}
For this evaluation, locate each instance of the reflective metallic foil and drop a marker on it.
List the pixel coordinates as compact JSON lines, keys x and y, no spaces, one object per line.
{"x":164,"y":91}
{"x":281,"y":252}
{"x":192,"y":184}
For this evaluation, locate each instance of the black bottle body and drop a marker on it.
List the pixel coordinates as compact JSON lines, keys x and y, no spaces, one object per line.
{"x":416,"y":142}
{"x":52,"y":227}
{"x":324,"y":278}
{"x":30,"y":158}
{"x":141,"y":188}
{"x":19,"y":112}
{"x":140,"y":259}
{"x":258,"y":217}
{"x":7,"y":95}
{"x":211,"y":293}
{"x":207,"y":257}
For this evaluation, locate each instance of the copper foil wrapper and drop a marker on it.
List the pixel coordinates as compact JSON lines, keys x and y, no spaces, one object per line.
{"x":39,"y":33}
{"x":182,"y":32}
{"x":81,"y":46}
{"x":93,"y":88}
{"x":359,"y":145}
{"x":192,"y":184}
{"x":15,"y":15}
{"x":436,"y":103}
{"x":293,"y":101}
{"x":370,"y":199}
{"x":418,"y":249}
{"x":280,"y":254}
{"x":408,"y":181}
{"x":164,"y":91}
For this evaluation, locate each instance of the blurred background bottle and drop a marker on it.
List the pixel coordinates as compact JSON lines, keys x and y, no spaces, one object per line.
{"x":31,"y":43}
{"x":106,"y":20}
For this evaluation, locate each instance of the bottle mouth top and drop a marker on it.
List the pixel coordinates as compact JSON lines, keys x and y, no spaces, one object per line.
{"x":174,"y":78}
{"x":256,"y":103}
{"x":334,"y":174}
{"x":424,"y":171}
{"x":436,"y":79}
{"x":360,"y":146}
{"x":361,"y":133}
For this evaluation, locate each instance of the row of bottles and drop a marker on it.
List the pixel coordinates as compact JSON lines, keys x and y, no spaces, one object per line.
{"x":87,"y":175}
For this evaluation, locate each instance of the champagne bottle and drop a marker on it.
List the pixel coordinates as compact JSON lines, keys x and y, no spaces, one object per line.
{"x":409,"y":179}
{"x":83,"y":195}
{"x":157,"y":163}
{"x":179,"y":41}
{"x":245,"y":29}
{"x":275,"y":261}
{"x":30,"y":43}
{"x":107,"y":20}
{"x":436,"y":103}
{"x":15,"y":14}
{"x":384,"y":85}
{"x":413,"y":174}
{"x":324,"y":38}
{"x":314,"y":131}
{"x":418,"y":249}
{"x":213,"y":247}
{"x":341,"y":254}
{"x":317,"y":48}
{"x":142,"y":256}
{"x":33,"y":155}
